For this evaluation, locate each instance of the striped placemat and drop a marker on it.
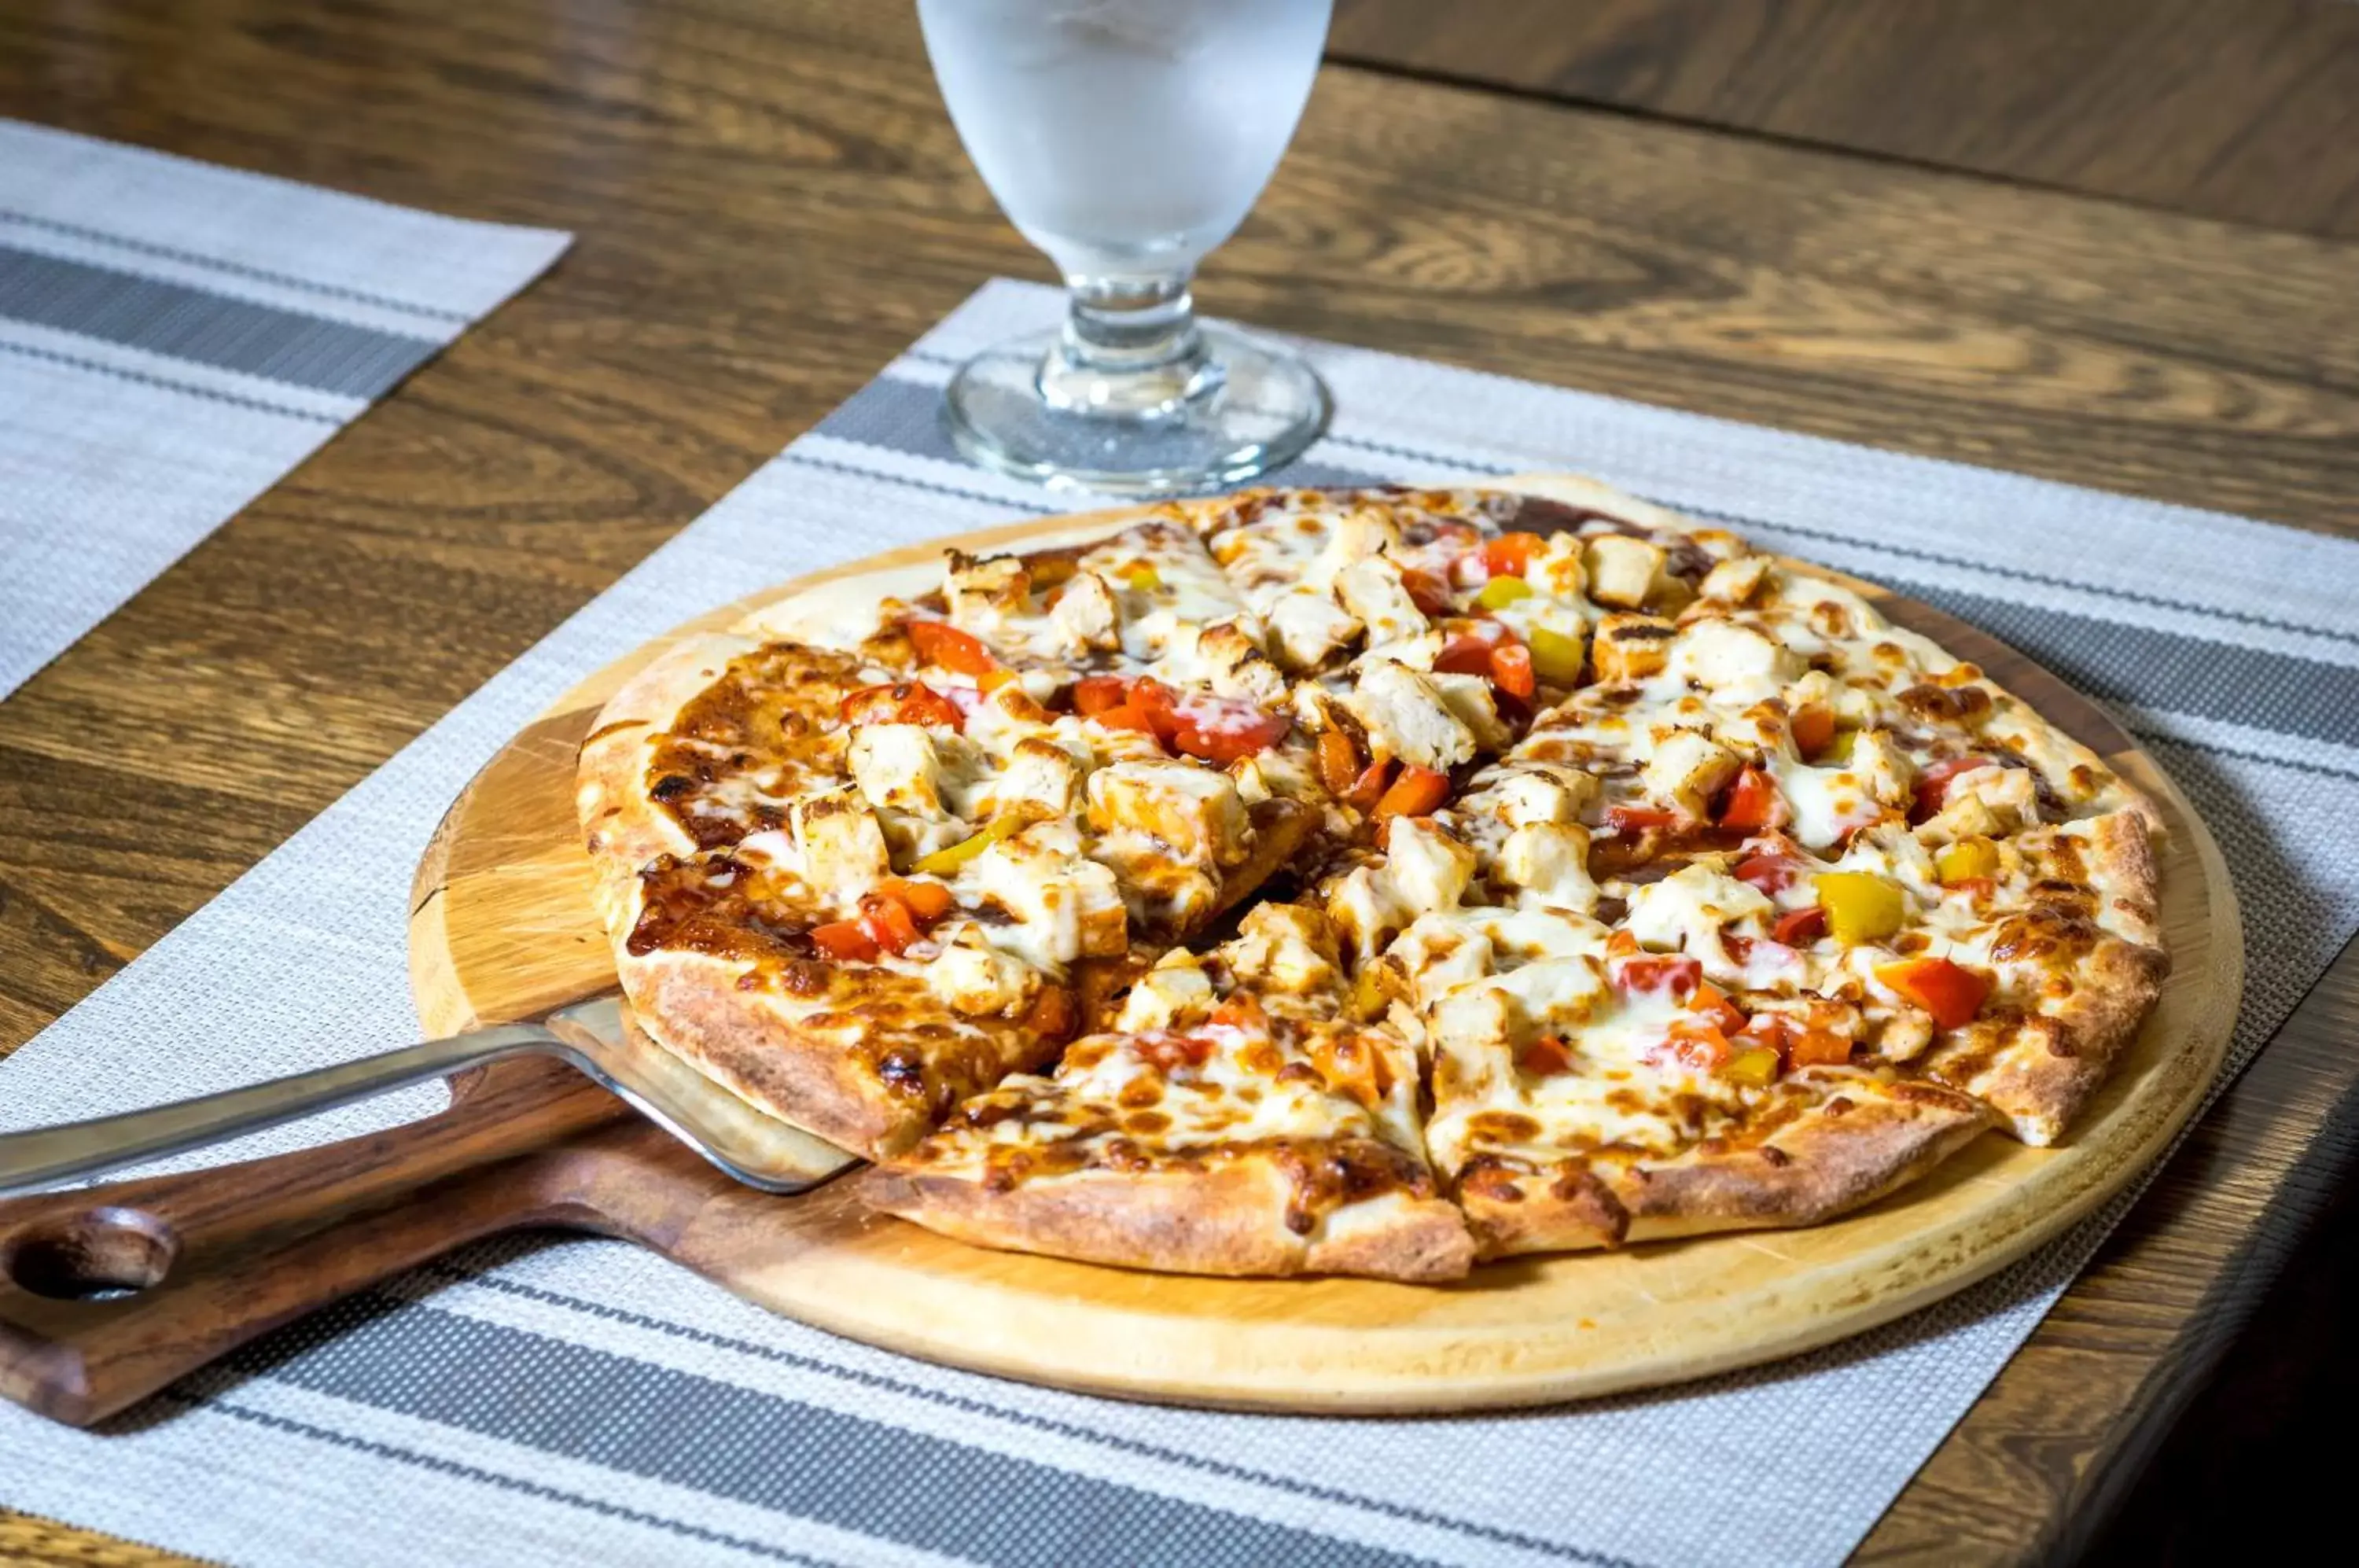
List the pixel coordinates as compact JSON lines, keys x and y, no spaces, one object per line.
{"x":175,"y":337}
{"x":555,"y":1400}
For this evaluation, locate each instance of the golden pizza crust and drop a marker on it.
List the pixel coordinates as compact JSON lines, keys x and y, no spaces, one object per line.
{"x":689,"y":1004}
{"x":1588,"y":495}
{"x":825,"y":1077}
{"x":1570,"y":1210}
{"x":1827,"y":1162}
{"x":2053,"y":1063}
{"x":1227,"y":1219}
{"x":622,"y":826}
{"x":1860,"y":1138}
{"x":2049,"y":1065}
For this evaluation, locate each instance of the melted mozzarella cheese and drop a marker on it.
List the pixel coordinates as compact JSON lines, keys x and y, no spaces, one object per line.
{"x":1827,"y":803}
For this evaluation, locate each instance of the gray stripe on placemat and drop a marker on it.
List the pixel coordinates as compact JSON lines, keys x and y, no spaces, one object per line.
{"x":202,"y":328}
{"x":209,"y":394}
{"x":233,"y":269}
{"x":454,"y":1271}
{"x":765,"y":1449}
{"x":906,"y":417}
{"x":186,"y":1396}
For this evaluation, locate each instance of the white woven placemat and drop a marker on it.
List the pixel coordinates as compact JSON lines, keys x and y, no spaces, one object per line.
{"x":175,"y":337}
{"x":549,"y":1403}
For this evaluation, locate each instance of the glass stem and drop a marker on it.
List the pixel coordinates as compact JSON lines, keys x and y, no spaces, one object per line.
{"x":1129,"y":350}
{"x":1119,"y":325}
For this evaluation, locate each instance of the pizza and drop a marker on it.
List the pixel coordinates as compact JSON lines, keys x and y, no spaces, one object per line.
{"x":1369,"y":882}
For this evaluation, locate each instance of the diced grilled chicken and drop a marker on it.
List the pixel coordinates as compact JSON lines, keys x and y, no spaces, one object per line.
{"x":841,"y":846}
{"x":1469,"y":700}
{"x":1354,"y":536}
{"x":1559,"y":566}
{"x":1525,"y":792}
{"x":1722,"y":656}
{"x":1236,"y":666}
{"x":1988,"y":801}
{"x":1406,"y":717}
{"x":1550,"y":861}
{"x":1883,"y":769}
{"x":1686,"y":911}
{"x":1308,"y":627}
{"x":1066,"y":905}
{"x":1624,"y":572}
{"x":1686,"y":767}
{"x":1040,"y":774}
{"x":982,"y":589}
{"x":1372,"y":590}
{"x":1438,"y":953}
{"x":1554,"y":996}
{"x":1193,"y":811}
{"x":975,"y":977}
{"x":898,"y":767}
{"x":1287,"y":948}
{"x":1419,"y":652}
{"x":1174,"y":993}
{"x":1630,"y":648}
{"x":1086,"y":615}
{"x":1734,"y":581}
{"x":1429,"y":865}
{"x":1424,"y":869}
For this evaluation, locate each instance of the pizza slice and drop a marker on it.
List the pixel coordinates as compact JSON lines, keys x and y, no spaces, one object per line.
{"x":1145,"y":600}
{"x":855,"y":897}
{"x":711,"y":743}
{"x":1594,"y":1084}
{"x":2056,"y":932}
{"x":1773,"y":914}
{"x":1236,"y":1120}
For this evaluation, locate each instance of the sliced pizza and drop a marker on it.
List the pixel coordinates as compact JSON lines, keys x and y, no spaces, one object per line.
{"x":1236,"y":1121}
{"x":1601,"y":875}
{"x":855,"y":900}
{"x":1727,"y":939}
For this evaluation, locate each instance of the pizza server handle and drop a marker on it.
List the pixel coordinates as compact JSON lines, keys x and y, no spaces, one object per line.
{"x":596,"y":1037}
{"x":45,"y":1157}
{"x":112,"y":1294}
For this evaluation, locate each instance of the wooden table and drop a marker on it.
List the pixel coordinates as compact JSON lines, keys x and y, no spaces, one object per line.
{"x":771,"y":203}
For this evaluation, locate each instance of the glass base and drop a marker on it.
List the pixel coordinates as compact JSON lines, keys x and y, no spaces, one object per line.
{"x":1023,"y":408}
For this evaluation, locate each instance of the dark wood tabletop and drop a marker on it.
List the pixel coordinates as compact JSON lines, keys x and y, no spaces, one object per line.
{"x":771,"y":202}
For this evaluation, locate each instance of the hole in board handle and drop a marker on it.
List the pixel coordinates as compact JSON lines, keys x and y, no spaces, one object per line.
{"x":101,"y":1256}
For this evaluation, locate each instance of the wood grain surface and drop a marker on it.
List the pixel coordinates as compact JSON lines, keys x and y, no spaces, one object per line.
{"x":504,"y":928}
{"x":2240,"y":109}
{"x":237,"y":1251}
{"x":771,"y":203}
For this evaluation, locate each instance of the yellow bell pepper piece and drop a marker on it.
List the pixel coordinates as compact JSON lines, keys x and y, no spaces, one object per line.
{"x":945,"y":862}
{"x":1500,"y":592}
{"x":1838,"y":752}
{"x":1860,"y":905}
{"x":1556,"y":658}
{"x":1966,"y":859}
{"x":1146,"y":579}
{"x":1756,"y":1069}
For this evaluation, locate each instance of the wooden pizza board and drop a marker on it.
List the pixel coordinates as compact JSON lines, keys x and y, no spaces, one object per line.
{"x":504,"y":929}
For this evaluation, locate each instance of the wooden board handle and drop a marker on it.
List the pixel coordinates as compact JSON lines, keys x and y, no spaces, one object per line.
{"x":109,"y":1294}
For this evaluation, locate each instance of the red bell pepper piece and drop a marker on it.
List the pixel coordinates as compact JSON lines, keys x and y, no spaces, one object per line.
{"x":938,"y":642}
{"x":1951,"y":992}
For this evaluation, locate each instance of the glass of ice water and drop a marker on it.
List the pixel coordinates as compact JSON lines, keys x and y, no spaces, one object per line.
{"x":1128,"y":138}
